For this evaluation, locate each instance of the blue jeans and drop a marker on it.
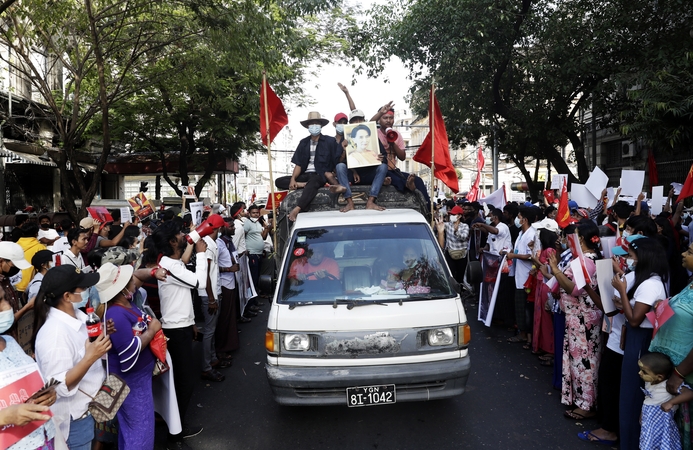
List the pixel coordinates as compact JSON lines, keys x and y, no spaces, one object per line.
{"x":399,"y":181}
{"x":374,"y":175}
{"x":81,"y":434}
{"x":208,"y":350}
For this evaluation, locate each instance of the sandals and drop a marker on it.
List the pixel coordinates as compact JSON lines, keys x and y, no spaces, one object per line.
{"x":571,"y":414}
{"x":547,"y":357}
{"x":212,"y":375}
{"x":517,"y":339}
{"x":527,"y":346}
{"x":546,"y":362}
{"x":590,"y":437}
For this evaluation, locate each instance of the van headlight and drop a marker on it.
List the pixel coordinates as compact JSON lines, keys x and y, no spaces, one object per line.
{"x":296,"y":342}
{"x":441,"y":336}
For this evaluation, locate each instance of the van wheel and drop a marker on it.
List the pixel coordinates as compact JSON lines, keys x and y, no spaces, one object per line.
{"x":474,"y":274}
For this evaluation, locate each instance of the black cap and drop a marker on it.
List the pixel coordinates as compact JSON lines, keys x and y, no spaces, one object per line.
{"x":66,"y":278}
{"x":40,"y":257}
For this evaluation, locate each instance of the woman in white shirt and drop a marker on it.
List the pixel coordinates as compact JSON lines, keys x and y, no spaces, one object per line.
{"x":635,"y":295}
{"x":64,"y":352}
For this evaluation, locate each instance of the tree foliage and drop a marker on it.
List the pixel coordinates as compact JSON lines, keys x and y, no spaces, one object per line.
{"x":523,"y":69}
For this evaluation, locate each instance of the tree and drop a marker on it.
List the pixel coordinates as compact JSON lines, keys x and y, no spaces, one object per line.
{"x":209,"y":101}
{"x":98,"y":48}
{"x":525,"y":69}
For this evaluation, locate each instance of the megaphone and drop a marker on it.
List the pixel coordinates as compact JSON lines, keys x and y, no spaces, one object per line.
{"x":392,"y":135}
{"x":213,"y":222}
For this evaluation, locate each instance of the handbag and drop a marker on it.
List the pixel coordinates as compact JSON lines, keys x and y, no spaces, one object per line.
{"x":107,"y":401}
{"x":158,"y":347}
{"x":457,"y":254}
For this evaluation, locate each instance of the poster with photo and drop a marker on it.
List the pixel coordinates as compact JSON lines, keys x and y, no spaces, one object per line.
{"x":141,"y":205}
{"x":362,"y":148}
{"x":196,"y":209}
{"x":100,"y":213}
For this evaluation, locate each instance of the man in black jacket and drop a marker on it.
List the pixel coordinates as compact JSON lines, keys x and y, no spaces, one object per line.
{"x":313,"y":157}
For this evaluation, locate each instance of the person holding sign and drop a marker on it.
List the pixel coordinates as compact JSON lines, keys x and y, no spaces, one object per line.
{"x":635,"y":294}
{"x":582,"y":341}
{"x":33,"y":426}
{"x":65,"y":353}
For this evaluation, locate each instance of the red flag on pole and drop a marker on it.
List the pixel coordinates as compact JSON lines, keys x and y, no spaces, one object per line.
{"x":273,"y":202}
{"x":253,"y":197}
{"x":275,"y":113}
{"x":444,"y":169}
{"x":473,"y":193}
{"x":563,"y":215}
{"x":687,"y":189}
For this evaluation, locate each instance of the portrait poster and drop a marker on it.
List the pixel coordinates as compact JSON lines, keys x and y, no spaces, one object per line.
{"x":141,"y":205}
{"x":100,"y":213}
{"x":17,"y":386}
{"x":362,"y":148}
{"x":196,"y":209}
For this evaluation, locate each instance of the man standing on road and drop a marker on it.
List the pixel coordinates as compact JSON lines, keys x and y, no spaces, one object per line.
{"x":177,"y":314}
{"x":313,"y":158}
{"x":227,"y":329}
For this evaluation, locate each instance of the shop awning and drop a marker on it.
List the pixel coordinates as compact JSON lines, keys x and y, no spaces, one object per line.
{"x":12,"y":157}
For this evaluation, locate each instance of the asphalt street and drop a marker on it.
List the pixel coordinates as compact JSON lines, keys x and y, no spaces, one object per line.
{"x":509,"y":404}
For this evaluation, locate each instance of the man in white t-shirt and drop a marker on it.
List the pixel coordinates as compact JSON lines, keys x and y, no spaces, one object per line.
{"x":78,"y":239}
{"x":499,"y":234}
{"x":46,"y":235}
{"x":521,"y":257}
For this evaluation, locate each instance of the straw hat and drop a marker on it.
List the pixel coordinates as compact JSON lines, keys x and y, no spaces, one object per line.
{"x":314,"y":116}
{"x":113,"y":280}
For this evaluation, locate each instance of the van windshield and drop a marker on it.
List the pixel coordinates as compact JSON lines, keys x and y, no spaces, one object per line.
{"x":364,"y":262}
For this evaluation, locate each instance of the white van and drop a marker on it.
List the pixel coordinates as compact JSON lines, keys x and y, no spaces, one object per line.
{"x":365,"y":313}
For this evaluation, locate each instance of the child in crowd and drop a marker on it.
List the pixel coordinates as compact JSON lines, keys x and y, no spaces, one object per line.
{"x":658,"y":427}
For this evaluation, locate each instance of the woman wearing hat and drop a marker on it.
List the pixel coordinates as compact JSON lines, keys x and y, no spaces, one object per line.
{"x":130,"y":357}
{"x":63,"y":350}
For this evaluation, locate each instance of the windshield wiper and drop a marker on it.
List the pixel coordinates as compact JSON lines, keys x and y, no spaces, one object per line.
{"x":295,"y":304}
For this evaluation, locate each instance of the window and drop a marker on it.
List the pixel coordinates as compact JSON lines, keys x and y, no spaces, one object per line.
{"x":388,"y":262}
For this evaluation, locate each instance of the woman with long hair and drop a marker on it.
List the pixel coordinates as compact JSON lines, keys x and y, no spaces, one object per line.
{"x":583,"y":319}
{"x":65,"y":353}
{"x":542,"y":337}
{"x":635,"y":295}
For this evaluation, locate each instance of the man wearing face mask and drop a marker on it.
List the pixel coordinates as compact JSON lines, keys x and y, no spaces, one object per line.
{"x":46,"y":235}
{"x":42,"y":261}
{"x":12,"y":259}
{"x":472,"y":217}
{"x":453,"y":237}
{"x":313,"y":158}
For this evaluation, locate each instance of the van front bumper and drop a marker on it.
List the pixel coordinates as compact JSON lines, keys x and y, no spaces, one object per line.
{"x":293,"y":385}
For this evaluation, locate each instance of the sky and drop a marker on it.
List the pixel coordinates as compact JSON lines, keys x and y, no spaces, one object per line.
{"x":369,"y":94}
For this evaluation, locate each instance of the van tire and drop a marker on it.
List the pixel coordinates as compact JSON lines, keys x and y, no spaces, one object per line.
{"x":474,"y":273}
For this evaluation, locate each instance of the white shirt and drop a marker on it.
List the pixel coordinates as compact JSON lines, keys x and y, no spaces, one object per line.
{"x":48,"y":234}
{"x":239,"y":236}
{"x":227,"y":279}
{"x":523,"y":267}
{"x":34,"y":285}
{"x":648,"y":292}
{"x":174,"y":293}
{"x":67,"y":258}
{"x":212,"y":255}
{"x":61,"y":245}
{"x":501,"y":241}
{"x":59,"y":347}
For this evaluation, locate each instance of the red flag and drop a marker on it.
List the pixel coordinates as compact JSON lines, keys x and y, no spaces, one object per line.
{"x":652,"y":169}
{"x":548,"y":195}
{"x":444,"y":169}
{"x":253,"y":197}
{"x":687,"y":189}
{"x":473,"y":193}
{"x":563,"y":215}
{"x":275,"y":112}
{"x":276,"y":200}
{"x":480,"y":160}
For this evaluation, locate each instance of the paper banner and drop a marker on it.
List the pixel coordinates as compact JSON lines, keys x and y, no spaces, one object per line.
{"x":583,"y":197}
{"x":557,"y":181}
{"x":18,"y":385}
{"x":125,"y":215}
{"x":608,"y":242}
{"x":657,"y":200}
{"x":631,"y":182}
{"x":597,"y":182}
{"x":578,"y":275}
{"x":605,"y":273}
{"x":610,"y":194}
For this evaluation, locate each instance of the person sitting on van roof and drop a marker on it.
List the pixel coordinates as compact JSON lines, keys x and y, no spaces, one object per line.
{"x":313,"y":265}
{"x":313,"y":158}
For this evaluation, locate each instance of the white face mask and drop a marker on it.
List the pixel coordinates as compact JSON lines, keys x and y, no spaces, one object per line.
{"x":314,"y":129}
{"x":340,"y":128}
{"x":625,"y":234}
{"x":6,"y":320}
{"x":630,"y":262}
{"x":453,"y":218}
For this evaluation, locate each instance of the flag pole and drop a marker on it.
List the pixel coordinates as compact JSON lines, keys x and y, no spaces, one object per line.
{"x":269,"y":158}
{"x":431,"y":125}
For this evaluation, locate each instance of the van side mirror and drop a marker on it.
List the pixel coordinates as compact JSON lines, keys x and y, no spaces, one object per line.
{"x":455,"y":285}
{"x":266,"y":283}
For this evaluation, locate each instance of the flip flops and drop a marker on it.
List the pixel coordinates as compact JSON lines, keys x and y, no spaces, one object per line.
{"x":571,"y":414}
{"x":589,"y":437}
{"x":517,"y":339}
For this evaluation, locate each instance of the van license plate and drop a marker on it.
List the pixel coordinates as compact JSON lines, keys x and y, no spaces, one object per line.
{"x":371,"y":395}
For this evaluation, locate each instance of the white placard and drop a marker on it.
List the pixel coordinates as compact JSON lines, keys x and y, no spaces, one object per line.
{"x":196,"y":209}
{"x":631,"y":182}
{"x":597,"y":182}
{"x":605,"y":273}
{"x":610,"y":194}
{"x":657,"y":200}
{"x":125,"y":215}
{"x":583,"y":197}
{"x":578,"y":275}
{"x":557,"y":181}
{"x":677,"y":188}
{"x":608,"y":242}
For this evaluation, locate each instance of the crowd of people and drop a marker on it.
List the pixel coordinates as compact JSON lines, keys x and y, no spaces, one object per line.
{"x":141,"y":279}
{"x":608,"y":365}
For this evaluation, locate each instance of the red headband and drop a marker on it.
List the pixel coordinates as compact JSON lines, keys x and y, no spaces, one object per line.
{"x":237,"y":213}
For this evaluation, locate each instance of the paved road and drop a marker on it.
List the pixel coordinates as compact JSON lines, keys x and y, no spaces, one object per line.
{"x":509,"y":404}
